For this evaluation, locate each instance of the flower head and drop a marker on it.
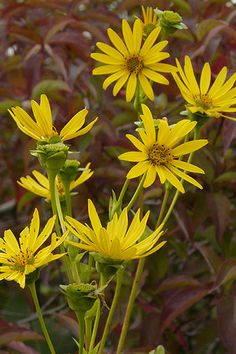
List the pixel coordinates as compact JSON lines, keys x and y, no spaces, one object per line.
{"x":40,"y":185}
{"x":41,"y":128}
{"x":118,"y":240}
{"x":150,"y":21}
{"x":211,"y":100}
{"x":20,"y":258}
{"x":132,"y":61}
{"x":159,"y":152}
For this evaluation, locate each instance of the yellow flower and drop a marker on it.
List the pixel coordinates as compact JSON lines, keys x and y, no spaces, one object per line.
{"x":118,"y":240}
{"x":211,"y":100}
{"x":132,"y":61}
{"x":20,"y":258}
{"x":40,"y":185}
{"x":159,"y":153}
{"x":150,"y":21}
{"x":41,"y":128}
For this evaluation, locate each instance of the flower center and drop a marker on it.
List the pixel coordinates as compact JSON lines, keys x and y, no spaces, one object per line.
{"x":21,"y":260}
{"x":204,"y":101}
{"x":159,"y":154}
{"x":134,"y":64}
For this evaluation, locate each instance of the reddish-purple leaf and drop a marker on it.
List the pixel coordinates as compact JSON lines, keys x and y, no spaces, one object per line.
{"x":226,"y":316}
{"x":178,"y":301}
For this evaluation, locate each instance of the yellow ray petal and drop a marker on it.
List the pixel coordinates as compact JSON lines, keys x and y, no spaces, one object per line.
{"x":205,"y":79}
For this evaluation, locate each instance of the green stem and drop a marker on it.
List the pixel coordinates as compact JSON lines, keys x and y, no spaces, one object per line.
{"x":122,"y":193}
{"x":80,"y":317}
{"x":163,"y":207}
{"x":56,"y":209}
{"x":130,"y":305}
{"x":137,"y":192}
{"x":40,"y":316}
{"x":95,"y":327}
{"x":52,"y":186}
{"x":119,"y":278}
{"x":68,"y":198}
{"x":88,"y":331}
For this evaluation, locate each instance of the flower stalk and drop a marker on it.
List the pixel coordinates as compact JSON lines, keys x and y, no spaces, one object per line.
{"x":33,"y":291}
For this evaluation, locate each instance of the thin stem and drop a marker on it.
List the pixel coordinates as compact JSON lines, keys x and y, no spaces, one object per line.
{"x":163,"y":207}
{"x":119,"y":279}
{"x":95,"y":327}
{"x":68,"y":198}
{"x":80,"y":317}
{"x":137,"y":192}
{"x":130,"y":305}
{"x":122,"y":193}
{"x":56,"y":209}
{"x":88,"y":331}
{"x":52,"y":186}
{"x":40,"y":316}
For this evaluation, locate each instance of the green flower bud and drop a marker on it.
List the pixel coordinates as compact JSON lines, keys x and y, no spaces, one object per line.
{"x":69,"y":171}
{"x":51,"y":156}
{"x":80,"y":297}
{"x":169,"y":21}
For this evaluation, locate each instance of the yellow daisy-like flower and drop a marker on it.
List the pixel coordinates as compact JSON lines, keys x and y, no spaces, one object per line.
{"x":159,"y":152}
{"x":20,"y":258}
{"x":211,"y":100}
{"x":132,"y":61}
{"x":150,"y":20}
{"x":40,"y":185}
{"x":41,"y":128}
{"x":118,"y":240}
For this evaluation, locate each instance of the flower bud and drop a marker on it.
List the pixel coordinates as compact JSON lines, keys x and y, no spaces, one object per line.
{"x":51,"y":156}
{"x":80,"y":297}
{"x":69,"y":171}
{"x":169,"y":21}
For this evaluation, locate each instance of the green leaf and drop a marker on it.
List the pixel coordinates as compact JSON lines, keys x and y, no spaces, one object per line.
{"x":226,"y":177}
{"x":49,"y":86}
{"x":206,"y":26}
{"x":159,"y":350}
{"x":7,"y":104}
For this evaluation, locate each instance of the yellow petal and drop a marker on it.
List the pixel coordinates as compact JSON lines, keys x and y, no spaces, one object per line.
{"x":220,"y":79}
{"x":133,"y":156}
{"x":148,"y":122}
{"x":205,"y":79}
{"x":137,"y":143}
{"x":186,"y":177}
{"x":106,"y":69}
{"x":112,"y":78}
{"x":138,"y":169}
{"x":110,"y":51}
{"x":152,"y":75}
{"x":117,"y":42}
{"x":186,"y":166}
{"x":190,"y":76}
{"x":173,"y":180}
{"x":131,"y":87}
{"x":190,"y":146}
{"x":150,"y":176}
{"x":120,"y":83}
{"x":146,"y":86}
{"x":94,"y":218}
{"x":128,"y":36}
{"x":106,"y":59}
{"x":150,"y":41}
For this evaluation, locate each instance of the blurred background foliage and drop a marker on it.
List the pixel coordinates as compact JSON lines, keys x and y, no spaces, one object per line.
{"x":187,"y":296}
